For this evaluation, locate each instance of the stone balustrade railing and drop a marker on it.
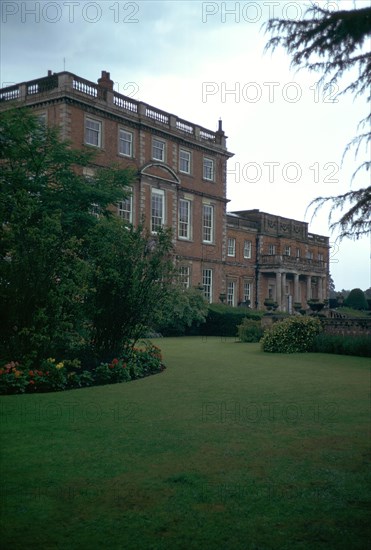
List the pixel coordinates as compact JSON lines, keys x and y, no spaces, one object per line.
{"x":75,"y":85}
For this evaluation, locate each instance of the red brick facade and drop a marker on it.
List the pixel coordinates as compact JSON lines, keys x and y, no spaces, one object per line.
{"x":181,"y":183}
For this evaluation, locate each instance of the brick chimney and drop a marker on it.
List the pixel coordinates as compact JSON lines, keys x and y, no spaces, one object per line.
{"x":220,"y":135}
{"x":105,"y":82}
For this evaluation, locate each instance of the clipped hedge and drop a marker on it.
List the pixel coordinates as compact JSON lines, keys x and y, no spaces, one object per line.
{"x":250,"y":330}
{"x":223,"y":320}
{"x":342,"y":345}
{"x":293,"y":335}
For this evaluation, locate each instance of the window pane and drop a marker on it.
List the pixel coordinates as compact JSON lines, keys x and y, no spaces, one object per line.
{"x":124,"y":209}
{"x":231,"y":247}
{"x":230,"y":293}
{"x":246,"y":292}
{"x":158,"y":150}
{"x":92,"y":132}
{"x":184,"y":161}
{"x":207,"y":223}
{"x":126,"y":143}
{"x":247,"y":249}
{"x":184,"y":218}
{"x":184,"y":272}
{"x":157,"y":211}
{"x":207,"y":284}
{"x":208,"y":169}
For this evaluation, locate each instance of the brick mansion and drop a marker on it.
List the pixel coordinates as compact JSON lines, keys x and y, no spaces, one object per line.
{"x":181,"y":170}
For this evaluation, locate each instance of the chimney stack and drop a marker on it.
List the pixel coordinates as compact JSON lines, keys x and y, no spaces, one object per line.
{"x":105,"y":82}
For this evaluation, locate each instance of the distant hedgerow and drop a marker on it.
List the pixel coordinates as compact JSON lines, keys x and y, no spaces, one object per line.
{"x":343,"y":344}
{"x":295,"y":334}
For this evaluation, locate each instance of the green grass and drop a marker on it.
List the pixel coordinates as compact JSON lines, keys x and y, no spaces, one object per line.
{"x":229,"y":448}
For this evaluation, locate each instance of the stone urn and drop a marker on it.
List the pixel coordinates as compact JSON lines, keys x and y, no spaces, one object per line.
{"x":315,"y":305}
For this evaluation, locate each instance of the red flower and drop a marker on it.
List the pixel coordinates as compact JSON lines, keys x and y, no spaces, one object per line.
{"x":30,"y":372}
{"x":124,"y":366}
{"x":31,"y":382}
{"x":39,"y":372}
{"x":114,"y":361}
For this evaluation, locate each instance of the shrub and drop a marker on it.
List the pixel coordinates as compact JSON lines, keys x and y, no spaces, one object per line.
{"x":342,"y":345}
{"x":77,"y":380}
{"x":181,"y":309}
{"x":146,"y":361}
{"x":109,"y":373}
{"x":250,"y":330}
{"x":295,"y":334}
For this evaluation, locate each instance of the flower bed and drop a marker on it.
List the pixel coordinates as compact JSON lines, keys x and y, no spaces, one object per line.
{"x":65,"y":375}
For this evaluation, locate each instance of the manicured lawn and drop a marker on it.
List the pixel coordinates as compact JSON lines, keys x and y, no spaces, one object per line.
{"x":229,"y":448}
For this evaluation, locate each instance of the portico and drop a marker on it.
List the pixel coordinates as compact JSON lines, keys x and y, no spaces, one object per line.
{"x":289,"y":287}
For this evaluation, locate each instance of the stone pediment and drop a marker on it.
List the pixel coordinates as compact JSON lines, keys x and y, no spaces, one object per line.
{"x":160,"y":171}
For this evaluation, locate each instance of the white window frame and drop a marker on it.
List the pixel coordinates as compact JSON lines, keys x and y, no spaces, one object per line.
{"x":158,"y":145}
{"x":231,"y":247}
{"x":126,"y":143}
{"x":157,"y":195}
{"x":184,"y":223}
{"x":125,"y":209}
{"x":247,"y":249}
{"x":208,"y":169}
{"x":320,"y":257}
{"x":247,"y":291}
{"x":186,"y":159}
{"x":271,"y":249}
{"x":298,"y":253}
{"x":184,"y":275}
{"x":89,"y":132}
{"x":207,"y":230}
{"x":287,"y":250}
{"x":231,"y":293}
{"x":207,"y":283}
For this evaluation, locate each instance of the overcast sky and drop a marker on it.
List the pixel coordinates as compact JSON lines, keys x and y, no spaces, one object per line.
{"x":203,"y":61}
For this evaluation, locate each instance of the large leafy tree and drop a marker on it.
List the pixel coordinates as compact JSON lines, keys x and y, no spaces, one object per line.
{"x":333,"y":43}
{"x":132,"y":279}
{"x":356,"y":299}
{"x":69,"y":268}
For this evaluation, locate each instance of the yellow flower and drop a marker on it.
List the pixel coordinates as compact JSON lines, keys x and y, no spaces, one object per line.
{"x":17,"y":373}
{"x":59,"y":365}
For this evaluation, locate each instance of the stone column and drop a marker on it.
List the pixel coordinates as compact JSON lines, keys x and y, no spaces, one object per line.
{"x":320,"y":289}
{"x":296,"y":287}
{"x":309,"y":287}
{"x":284,"y":298}
{"x":278,"y":289}
{"x":324,"y":288}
